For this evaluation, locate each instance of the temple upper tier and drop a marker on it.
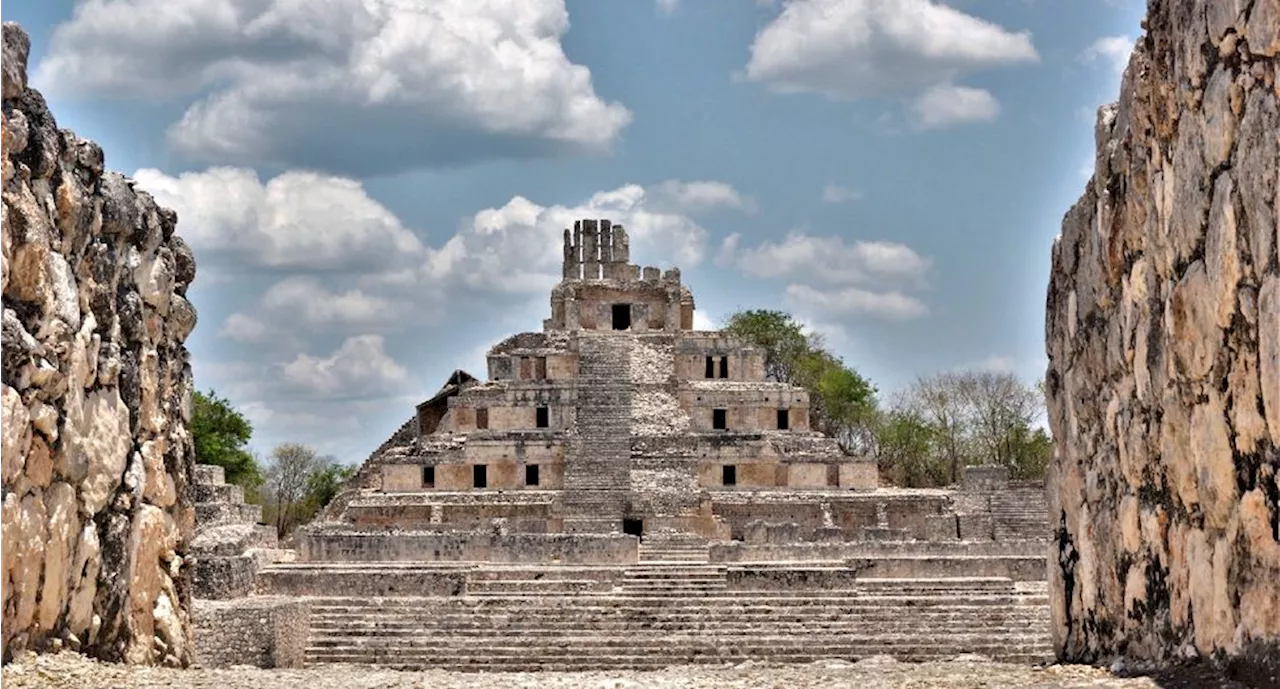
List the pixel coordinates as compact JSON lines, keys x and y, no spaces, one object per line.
{"x":602,"y":290}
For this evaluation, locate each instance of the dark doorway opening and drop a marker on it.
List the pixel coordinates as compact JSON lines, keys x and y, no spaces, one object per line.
{"x":711,"y":367}
{"x":784,"y":419}
{"x":724,"y":367}
{"x":480,"y":476}
{"x":531,"y":475}
{"x":482,"y":418}
{"x":729,"y":475}
{"x":621,"y":316}
{"x":719,"y":419}
{"x":633,"y":527}
{"x":428,"y":477}
{"x":543,"y":417}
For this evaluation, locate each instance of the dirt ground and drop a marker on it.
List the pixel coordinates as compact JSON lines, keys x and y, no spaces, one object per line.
{"x":73,"y":671}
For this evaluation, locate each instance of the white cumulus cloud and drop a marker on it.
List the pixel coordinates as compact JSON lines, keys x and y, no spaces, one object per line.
{"x":947,"y":105}
{"x":829,"y":259}
{"x":834,"y":193}
{"x":1113,"y":51}
{"x":299,"y":220}
{"x":360,"y":367}
{"x":368,"y":87}
{"x":857,"y":49}
{"x":829,"y":279}
{"x":849,"y":301}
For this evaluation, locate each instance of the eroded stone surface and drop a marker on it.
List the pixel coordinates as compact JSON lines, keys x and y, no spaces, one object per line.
{"x":875,"y":672}
{"x":92,"y":292}
{"x":1163,"y":334}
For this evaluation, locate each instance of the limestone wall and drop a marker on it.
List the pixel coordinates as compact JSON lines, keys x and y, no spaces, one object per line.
{"x":333,"y":545}
{"x":264,"y":631}
{"x":96,"y":397}
{"x":1163,"y":332}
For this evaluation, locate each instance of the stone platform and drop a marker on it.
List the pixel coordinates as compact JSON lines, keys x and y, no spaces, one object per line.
{"x":649,"y":615}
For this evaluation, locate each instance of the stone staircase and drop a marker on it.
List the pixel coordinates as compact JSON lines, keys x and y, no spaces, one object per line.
{"x":1020,"y":512}
{"x":673,"y":579}
{"x":674,"y":548}
{"x":597,"y":476}
{"x":230,"y":544}
{"x":663,"y":615}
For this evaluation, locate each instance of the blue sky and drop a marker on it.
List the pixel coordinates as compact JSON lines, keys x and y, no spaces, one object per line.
{"x":375,"y":191}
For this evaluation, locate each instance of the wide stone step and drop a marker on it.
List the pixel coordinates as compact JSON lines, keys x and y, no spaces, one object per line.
{"x":659,"y":655}
{"x":731,"y":596}
{"x":222,"y":492}
{"x":659,"y":639}
{"x":602,"y":664}
{"x":536,"y":585}
{"x":233,"y":538}
{"x":493,"y":615}
{"x":341,"y":628}
{"x":492,"y":618}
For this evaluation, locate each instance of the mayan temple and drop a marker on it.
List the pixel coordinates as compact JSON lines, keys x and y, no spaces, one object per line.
{"x":623,"y":492}
{"x":617,"y":418}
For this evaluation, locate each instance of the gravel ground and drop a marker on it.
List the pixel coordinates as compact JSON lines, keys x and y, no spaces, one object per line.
{"x":73,"y":671}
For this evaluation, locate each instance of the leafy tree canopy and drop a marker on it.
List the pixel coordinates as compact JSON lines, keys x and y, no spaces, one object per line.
{"x":842,"y":403}
{"x":221,"y":433}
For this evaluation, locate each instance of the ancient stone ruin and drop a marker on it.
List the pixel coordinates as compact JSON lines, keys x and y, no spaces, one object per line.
{"x":96,"y":397}
{"x":627,"y":492}
{"x":1163,"y":332}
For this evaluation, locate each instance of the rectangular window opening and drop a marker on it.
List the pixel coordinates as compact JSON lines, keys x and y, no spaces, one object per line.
{"x":540,"y":368}
{"x":428,"y":477}
{"x":633,"y":527}
{"x":724,"y":367}
{"x":621,"y":316}
{"x":531,"y":475}
{"x":544,"y":417}
{"x":784,"y":419}
{"x":719,"y":419}
{"x":729,"y":475}
{"x":482,"y":418}
{"x":480,"y":476}
{"x":711,"y":367}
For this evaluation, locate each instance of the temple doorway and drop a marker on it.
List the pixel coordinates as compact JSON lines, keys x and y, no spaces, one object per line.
{"x":633,"y":527}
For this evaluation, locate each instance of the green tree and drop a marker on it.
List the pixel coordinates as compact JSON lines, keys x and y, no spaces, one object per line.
{"x":778,"y":334}
{"x":973,"y":417}
{"x":299,"y":484}
{"x":220,"y":433}
{"x":905,"y":450}
{"x":842,"y":403}
{"x":325,"y":483}
{"x":1032,"y":450}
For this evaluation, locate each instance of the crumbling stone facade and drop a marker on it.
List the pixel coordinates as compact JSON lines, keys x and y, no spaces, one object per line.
{"x":620,"y":420}
{"x":617,"y":417}
{"x":1163,"y":331}
{"x":97,"y":456}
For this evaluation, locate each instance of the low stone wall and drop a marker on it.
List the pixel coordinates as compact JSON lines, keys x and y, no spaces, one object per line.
{"x":324,"y":545}
{"x":335,"y":580}
{"x":259,"y":631}
{"x":793,"y":578}
{"x":1015,"y":567}
{"x":801,"y":577}
{"x":815,"y":552}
